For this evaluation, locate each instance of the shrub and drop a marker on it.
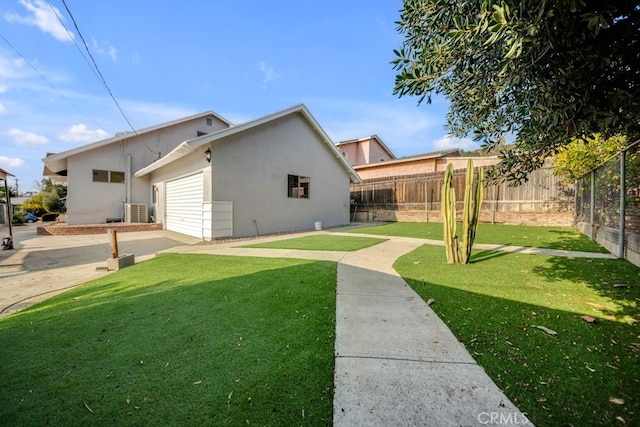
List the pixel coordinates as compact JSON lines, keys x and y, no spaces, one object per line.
{"x":18,"y":218}
{"x":49,"y":217}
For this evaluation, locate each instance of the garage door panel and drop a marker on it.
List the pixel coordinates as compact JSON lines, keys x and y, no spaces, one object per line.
{"x":184,"y":205}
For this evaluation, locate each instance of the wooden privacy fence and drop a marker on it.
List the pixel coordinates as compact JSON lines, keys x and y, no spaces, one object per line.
{"x":542,"y":193}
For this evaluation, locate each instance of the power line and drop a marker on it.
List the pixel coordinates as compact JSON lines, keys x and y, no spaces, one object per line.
{"x":73,"y":39}
{"x":97,"y":69}
{"x":43,"y":77}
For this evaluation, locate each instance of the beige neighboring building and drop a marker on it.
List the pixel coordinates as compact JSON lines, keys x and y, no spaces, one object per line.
{"x":364,"y":151}
{"x":423,"y":163}
{"x":371,"y":158}
{"x":274,"y":174}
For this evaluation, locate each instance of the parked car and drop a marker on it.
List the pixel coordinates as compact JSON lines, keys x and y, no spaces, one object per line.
{"x":29,"y":217}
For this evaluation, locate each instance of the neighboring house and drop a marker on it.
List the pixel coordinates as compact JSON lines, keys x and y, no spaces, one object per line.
{"x":274,"y":174}
{"x":435,"y":161}
{"x":99,"y":176}
{"x":364,"y":151}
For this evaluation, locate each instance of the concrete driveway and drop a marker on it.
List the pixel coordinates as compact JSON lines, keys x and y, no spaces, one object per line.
{"x":41,"y":266}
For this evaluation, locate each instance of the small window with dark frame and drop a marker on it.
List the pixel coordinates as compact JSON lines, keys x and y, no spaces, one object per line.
{"x":114,"y":177}
{"x":298,"y":186}
{"x":100,"y":176}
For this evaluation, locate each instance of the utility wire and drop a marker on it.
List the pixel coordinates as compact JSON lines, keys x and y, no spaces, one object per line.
{"x":104,"y":82}
{"x":73,"y":39}
{"x":43,"y":77}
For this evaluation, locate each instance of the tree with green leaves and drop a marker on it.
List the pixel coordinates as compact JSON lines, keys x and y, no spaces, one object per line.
{"x":48,"y":199}
{"x":12,"y":192}
{"x":581,"y":155}
{"x":544,"y":73}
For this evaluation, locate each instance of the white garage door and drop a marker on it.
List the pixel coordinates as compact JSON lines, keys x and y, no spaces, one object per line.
{"x":184,"y":205}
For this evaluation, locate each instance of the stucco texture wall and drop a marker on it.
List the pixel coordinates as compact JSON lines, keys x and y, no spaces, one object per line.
{"x":251,"y":170}
{"x":91,"y":202}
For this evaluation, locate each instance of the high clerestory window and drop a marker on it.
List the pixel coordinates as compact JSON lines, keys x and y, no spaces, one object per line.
{"x":298,"y":187}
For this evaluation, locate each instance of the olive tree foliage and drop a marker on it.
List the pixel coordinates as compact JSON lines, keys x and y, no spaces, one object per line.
{"x":542,"y":72}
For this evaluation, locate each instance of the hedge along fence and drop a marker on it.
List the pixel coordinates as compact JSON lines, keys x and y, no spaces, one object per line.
{"x":418,"y":197}
{"x":608,"y":204}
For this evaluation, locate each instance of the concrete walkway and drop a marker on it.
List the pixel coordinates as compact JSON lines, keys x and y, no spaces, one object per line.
{"x":397,"y":363}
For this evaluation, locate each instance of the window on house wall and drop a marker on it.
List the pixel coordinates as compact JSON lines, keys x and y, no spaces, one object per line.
{"x":201,"y":133}
{"x":298,"y":186}
{"x":100,"y":176}
{"x":209,"y":121}
{"x":114,"y":177}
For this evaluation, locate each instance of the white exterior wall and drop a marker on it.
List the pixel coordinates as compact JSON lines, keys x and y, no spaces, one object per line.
{"x":251,"y":170}
{"x":91,"y":202}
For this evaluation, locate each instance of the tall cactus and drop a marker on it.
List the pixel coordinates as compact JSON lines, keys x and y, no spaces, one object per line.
{"x":470,"y":214}
{"x":448,"y":210}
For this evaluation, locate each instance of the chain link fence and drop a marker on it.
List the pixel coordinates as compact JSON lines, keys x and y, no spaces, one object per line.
{"x":608,"y":204}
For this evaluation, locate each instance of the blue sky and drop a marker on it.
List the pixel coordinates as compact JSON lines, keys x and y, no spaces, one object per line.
{"x":166,"y":60}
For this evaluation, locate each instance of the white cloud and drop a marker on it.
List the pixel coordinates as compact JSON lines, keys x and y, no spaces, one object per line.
{"x":3,"y":109}
{"x":113,"y":53}
{"x":11,"y":162}
{"x":105,"y":49}
{"x":21,"y":137}
{"x":80,"y":133}
{"x":450,"y":142}
{"x":268,"y":73}
{"x":11,"y":68}
{"x":44,"y":16}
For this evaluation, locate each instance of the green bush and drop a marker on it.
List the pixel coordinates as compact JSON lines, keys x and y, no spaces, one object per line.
{"x":49,"y":217}
{"x":18,"y":218}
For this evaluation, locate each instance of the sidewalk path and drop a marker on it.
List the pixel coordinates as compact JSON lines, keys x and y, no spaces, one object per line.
{"x":397,"y":363}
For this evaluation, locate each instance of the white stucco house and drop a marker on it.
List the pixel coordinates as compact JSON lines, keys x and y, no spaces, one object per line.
{"x":204,"y":177}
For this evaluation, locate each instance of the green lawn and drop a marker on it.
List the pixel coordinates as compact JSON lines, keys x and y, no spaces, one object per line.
{"x":321,"y":242}
{"x":494,"y":304}
{"x":177,"y":340}
{"x":517,"y":235}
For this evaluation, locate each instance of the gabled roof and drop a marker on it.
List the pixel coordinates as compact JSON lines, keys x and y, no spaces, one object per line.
{"x":424,"y":156}
{"x":57,"y":162}
{"x":192,"y":144}
{"x":376,"y":137}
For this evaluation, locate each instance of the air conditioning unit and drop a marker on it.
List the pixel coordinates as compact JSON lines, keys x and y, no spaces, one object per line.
{"x":136,"y":212}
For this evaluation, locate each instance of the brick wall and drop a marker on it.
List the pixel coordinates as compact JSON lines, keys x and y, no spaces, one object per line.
{"x":62,"y":229}
{"x":515,"y":218}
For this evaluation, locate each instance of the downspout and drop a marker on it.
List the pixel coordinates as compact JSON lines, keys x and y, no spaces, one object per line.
{"x":128,"y":178}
